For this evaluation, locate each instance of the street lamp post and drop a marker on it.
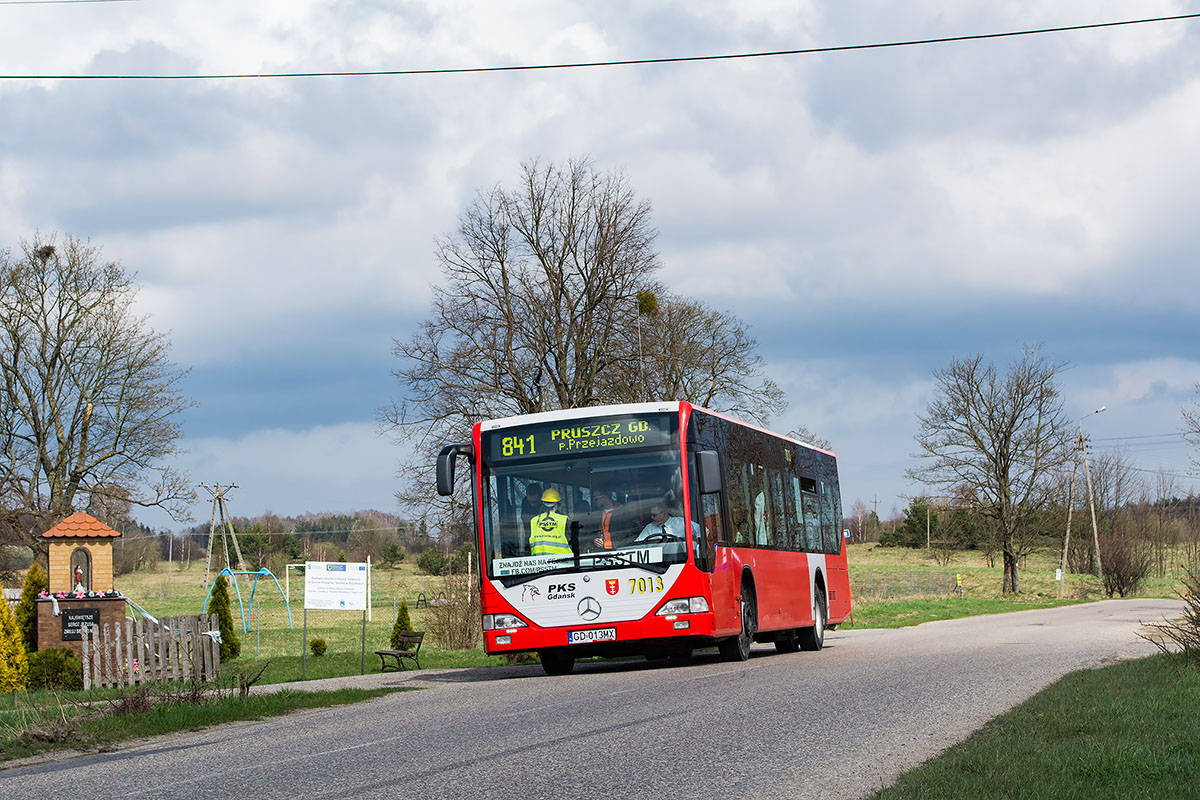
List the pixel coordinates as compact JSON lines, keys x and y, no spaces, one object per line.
{"x":1080,"y":445}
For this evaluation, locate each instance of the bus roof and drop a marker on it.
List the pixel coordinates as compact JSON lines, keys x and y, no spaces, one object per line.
{"x":623,"y":409}
{"x":575,"y":413}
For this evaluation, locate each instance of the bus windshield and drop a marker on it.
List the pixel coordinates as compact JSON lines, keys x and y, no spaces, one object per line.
{"x":611,"y":508}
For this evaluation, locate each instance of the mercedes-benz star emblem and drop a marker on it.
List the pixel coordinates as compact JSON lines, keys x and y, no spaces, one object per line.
{"x":589,"y":608}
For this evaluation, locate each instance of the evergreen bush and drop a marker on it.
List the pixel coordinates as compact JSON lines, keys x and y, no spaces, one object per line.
{"x":56,"y":668}
{"x":432,"y":561}
{"x":318,"y":647}
{"x":218,"y":604}
{"x":461,"y":557}
{"x":14,"y":665}
{"x":36,"y":582}
{"x":403,"y":623}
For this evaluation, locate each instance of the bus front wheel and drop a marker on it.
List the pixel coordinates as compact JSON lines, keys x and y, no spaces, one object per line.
{"x":737,"y":648}
{"x":557,"y":663}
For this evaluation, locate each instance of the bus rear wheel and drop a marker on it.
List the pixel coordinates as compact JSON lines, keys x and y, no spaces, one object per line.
{"x":814,"y":638}
{"x":737,"y":648}
{"x":557,"y":663}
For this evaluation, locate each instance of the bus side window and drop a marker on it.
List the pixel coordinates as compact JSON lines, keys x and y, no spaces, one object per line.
{"x":778,"y":525}
{"x":712,"y":531}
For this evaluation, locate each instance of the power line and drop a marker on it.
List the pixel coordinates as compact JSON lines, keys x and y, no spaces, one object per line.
{"x":1146,"y":436}
{"x":59,"y":2}
{"x":590,"y":64}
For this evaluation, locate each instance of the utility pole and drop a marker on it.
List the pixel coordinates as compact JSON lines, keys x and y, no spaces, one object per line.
{"x":218,"y":495}
{"x":1062,"y":581}
{"x":1087,"y":470}
{"x":1081,"y":445}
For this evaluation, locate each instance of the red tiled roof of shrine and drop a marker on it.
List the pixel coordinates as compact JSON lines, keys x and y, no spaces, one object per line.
{"x":80,"y":526}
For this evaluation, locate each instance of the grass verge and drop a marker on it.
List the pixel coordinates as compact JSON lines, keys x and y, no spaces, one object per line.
{"x":904,"y":613}
{"x":1129,"y":730}
{"x":283,"y":669}
{"x":73,"y":726}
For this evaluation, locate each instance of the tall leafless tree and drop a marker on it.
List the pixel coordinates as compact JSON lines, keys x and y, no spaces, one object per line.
{"x":1002,"y":436}
{"x":91,"y":400}
{"x":548,"y":300}
{"x":696,"y":353}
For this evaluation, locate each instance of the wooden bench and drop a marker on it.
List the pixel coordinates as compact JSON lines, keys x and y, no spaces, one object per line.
{"x":407,"y":637}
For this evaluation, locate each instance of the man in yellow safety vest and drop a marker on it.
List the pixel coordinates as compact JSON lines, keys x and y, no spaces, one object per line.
{"x":548,"y":530}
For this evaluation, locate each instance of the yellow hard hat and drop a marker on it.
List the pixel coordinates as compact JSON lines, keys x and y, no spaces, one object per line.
{"x":550,"y":496}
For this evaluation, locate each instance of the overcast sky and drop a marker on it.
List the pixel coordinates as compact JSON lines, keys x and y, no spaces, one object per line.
{"x":873,"y":213}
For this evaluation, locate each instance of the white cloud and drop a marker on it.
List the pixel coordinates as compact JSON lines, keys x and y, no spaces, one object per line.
{"x":266,"y":218}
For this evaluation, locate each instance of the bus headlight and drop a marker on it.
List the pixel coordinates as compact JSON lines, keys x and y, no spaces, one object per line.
{"x":684,"y":605}
{"x":494,"y":622}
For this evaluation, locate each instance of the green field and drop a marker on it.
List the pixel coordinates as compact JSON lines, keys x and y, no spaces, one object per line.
{"x":181,"y":590}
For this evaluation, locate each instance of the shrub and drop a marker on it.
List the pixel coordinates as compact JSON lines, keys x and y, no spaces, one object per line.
{"x":218,"y":604}
{"x":318,"y":647}
{"x":456,"y":623}
{"x":56,"y":668}
{"x":432,"y":561}
{"x":35,"y":583}
{"x":403,"y":623}
{"x":462,"y":556}
{"x":1179,"y":639}
{"x":393,"y":554}
{"x":1125,"y":564}
{"x":14,"y":665}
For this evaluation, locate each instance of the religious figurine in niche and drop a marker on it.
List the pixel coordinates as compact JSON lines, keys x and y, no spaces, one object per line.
{"x":79,"y":587}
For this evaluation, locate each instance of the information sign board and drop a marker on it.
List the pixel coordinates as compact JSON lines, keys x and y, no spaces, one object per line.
{"x":335,"y":585}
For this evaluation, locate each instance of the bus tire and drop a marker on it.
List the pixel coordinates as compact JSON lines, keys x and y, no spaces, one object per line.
{"x":814,"y":638}
{"x":557,"y":663}
{"x":737,"y":648}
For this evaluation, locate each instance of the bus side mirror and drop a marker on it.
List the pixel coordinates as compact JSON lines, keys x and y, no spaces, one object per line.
{"x":445,"y":466}
{"x":708,"y":471}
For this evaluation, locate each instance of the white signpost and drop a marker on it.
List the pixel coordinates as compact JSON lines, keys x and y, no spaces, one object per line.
{"x":335,"y":586}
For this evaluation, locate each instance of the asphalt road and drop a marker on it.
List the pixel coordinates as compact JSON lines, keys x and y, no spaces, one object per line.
{"x":839,"y":723}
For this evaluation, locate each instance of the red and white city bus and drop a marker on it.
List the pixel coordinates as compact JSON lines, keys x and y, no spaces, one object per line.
{"x":684,"y":528}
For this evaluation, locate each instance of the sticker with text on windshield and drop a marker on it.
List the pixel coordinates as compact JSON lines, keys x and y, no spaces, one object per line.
{"x":581,"y":436}
{"x":526,"y":565}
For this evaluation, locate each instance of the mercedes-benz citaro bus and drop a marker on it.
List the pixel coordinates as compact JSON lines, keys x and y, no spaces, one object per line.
{"x":653,"y":529}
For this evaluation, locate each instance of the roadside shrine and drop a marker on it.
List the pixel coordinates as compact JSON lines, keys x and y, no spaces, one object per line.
{"x":80,"y":583}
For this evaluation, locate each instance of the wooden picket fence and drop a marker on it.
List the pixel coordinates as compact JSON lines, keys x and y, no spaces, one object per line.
{"x":140,"y":651}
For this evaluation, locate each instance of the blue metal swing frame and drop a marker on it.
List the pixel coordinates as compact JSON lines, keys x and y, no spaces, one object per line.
{"x":264,"y":572}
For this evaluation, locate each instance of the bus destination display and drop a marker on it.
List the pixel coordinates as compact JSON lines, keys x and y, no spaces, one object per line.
{"x":550,"y":439}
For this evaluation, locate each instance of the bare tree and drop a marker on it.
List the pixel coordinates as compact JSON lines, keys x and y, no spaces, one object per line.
{"x":538,"y":282}
{"x":696,"y":353}
{"x":1003,"y":436}
{"x":548,"y":301}
{"x":91,"y":400}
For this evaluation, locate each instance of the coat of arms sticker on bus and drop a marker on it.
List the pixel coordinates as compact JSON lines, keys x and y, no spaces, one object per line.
{"x":612,"y":585}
